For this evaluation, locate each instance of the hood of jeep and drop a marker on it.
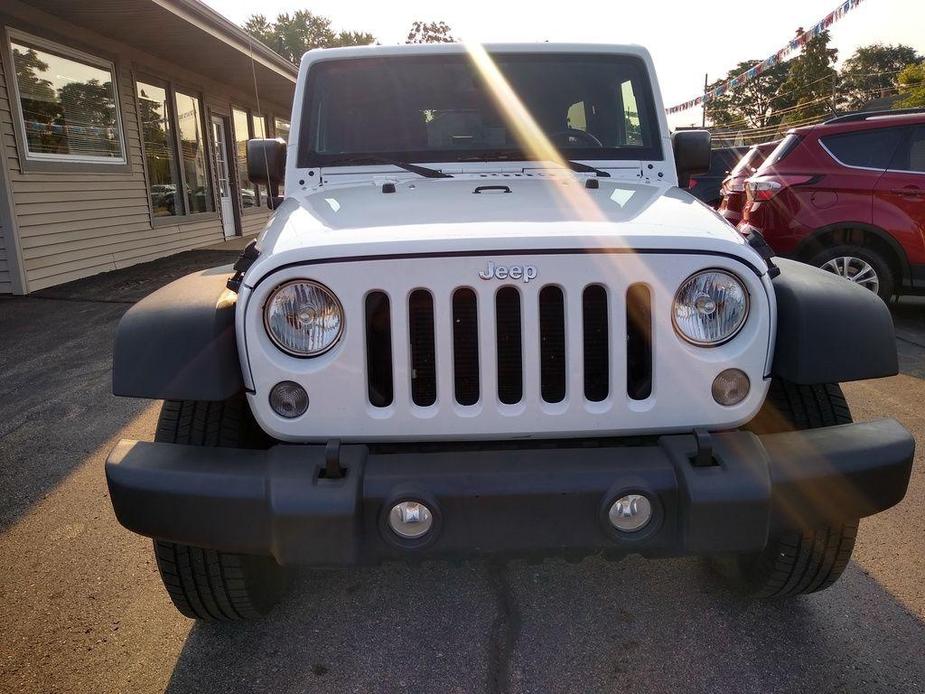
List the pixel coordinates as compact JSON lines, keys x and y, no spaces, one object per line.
{"x":486,"y":213}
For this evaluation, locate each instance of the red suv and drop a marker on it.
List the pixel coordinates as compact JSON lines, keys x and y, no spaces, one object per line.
{"x":848,"y":195}
{"x":733,"y":188}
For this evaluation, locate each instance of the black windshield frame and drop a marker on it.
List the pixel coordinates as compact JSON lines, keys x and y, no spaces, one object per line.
{"x":651,"y":150}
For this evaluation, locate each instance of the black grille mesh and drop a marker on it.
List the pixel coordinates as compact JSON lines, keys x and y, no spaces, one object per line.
{"x":379,"y":349}
{"x":465,"y":346}
{"x":423,"y":354}
{"x":510,"y":357}
{"x":596,"y":336}
{"x":638,"y":342}
{"x":552,"y":344}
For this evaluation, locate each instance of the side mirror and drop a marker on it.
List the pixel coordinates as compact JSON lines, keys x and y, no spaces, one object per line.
{"x":691,"y":154}
{"x":266,"y":164}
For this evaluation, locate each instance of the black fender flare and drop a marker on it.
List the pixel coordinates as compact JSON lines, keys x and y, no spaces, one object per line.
{"x":829,"y":330}
{"x":802,"y":249}
{"x":179,"y":342}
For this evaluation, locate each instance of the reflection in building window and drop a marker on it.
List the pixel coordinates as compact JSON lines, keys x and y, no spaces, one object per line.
{"x":241,"y":135}
{"x":193,"y":154}
{"x":632,"y":126}
{"x":67,"y":105}
{"x":281,"y":127}
{"x":159,"y":148}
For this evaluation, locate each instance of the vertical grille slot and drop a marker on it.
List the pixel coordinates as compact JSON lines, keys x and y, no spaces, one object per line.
{"x":552,"y":344}
{"x":510,"y":356}
{"x":423,"y":352}
{"x":638,"y":342}
{"x":465,"y":347}
{"x":596,"y":336}
{"x":379,"y":349}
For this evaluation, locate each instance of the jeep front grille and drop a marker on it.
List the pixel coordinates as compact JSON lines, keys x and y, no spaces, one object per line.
{"x":509,"y":317}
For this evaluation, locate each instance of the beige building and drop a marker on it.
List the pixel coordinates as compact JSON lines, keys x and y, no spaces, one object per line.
{"x":123,"y":129}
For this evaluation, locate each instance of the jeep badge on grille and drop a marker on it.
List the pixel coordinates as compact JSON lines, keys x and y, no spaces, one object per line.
{"x":503,"y":272}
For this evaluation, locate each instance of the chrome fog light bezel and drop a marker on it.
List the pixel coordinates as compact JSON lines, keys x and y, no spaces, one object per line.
{"x":624,"y":509}
{"x":268,"y":305}
{"x":411,"y":519}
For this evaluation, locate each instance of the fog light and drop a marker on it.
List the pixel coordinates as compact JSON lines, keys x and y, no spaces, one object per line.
{"x":410,"y":519}
{"x":288,"y":399}
{"x":630,"y":513}
{"x":730,"y":387}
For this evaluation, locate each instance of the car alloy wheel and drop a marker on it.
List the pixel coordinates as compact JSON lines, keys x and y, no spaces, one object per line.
{"x":854,"y":269}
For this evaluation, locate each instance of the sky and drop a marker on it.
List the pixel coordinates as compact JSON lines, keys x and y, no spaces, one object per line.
{"x":687,"y":39}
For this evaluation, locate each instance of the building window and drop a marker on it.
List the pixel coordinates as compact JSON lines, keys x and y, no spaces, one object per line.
{"x":173,"y":135}
{"x":193,"y":153}
{"x":282,"y":129}
{"x":67,"y":103}
{"x":160,"y":149}
{"x":242,"y":129}
{"x":260,"y":127}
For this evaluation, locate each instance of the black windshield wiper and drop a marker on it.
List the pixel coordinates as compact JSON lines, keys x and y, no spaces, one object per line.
{"x":373,"y":159}
{"x":585,"y":168}
{"x":514,"y":155}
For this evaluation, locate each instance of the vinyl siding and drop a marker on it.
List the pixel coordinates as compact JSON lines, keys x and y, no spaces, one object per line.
{"x":254,"y":222}
{"x":6,"y":281}
{"x":75,"y":224}
{"x":6,"y":284}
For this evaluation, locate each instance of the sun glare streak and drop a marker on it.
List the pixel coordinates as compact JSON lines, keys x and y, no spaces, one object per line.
{"x":529,"y":134}
{"x":573,"y":196}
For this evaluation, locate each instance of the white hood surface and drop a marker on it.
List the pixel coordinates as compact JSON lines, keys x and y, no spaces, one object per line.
{"x":511,"y":212}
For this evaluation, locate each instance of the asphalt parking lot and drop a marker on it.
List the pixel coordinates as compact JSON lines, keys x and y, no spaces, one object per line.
{"x":82,"y":608}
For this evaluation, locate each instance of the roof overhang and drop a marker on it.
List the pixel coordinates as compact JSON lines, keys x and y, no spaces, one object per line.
{"x":188,"y":33}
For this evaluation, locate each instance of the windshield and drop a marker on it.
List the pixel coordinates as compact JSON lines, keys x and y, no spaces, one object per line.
{"x":439,"y":108}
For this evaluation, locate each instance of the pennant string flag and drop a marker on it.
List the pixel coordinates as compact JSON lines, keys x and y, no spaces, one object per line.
{"x":775,"y":59}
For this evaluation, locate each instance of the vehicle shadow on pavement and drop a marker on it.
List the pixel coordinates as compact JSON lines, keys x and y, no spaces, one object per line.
{"x":592,"y":626}
{"x":56,"y":402}
{"x":909,"y":323}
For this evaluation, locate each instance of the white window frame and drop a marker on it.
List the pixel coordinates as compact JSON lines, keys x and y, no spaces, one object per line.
{"x":65,"y":52}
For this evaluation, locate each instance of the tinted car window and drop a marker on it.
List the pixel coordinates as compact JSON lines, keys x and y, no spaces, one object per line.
{"x":723,"y":160}
{"x":911,"y":158}
{"x":786,"y":146}
{"x":871,"y":149}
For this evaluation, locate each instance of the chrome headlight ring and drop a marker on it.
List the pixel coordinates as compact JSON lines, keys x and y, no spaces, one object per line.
{"x":303,"y":318}
{"x":710,"y":308}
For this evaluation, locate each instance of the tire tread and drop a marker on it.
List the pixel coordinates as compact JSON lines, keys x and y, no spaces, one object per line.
{"x":807,"y":560}
{"x":207,"y":584}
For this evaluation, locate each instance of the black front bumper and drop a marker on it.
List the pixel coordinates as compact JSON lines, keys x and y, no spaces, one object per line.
{"x":543,"y":500}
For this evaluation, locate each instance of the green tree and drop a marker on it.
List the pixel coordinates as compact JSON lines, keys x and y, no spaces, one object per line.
{"x":89,"y":103}
{"x":912,"y":87}
{"x":293,"y":34}
{"x":754,"y":104}
{"x":811,"y":80}
{"x":430,"y":32}
{"x":872,"y":72}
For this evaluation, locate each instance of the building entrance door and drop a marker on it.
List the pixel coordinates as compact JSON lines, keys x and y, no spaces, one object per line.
{"x":223,"y":179}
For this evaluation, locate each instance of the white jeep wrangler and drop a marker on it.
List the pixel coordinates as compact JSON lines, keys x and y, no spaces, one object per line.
{"x":486,"y":321}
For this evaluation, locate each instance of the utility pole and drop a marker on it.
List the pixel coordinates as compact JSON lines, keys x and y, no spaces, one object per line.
{"x":706,"y":81}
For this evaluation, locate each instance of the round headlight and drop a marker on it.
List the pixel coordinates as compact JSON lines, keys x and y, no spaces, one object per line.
{"x":303,"y":318}
{"x":710,"y":308}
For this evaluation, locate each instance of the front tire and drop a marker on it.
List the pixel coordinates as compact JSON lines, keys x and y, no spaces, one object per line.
{"x":799,"y":561}
{"x":203,"y":583}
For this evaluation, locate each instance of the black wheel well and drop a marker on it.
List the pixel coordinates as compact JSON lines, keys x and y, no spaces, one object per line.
{"x":862,"y":235}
